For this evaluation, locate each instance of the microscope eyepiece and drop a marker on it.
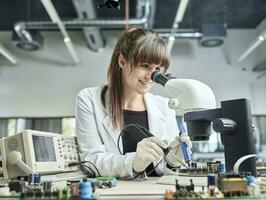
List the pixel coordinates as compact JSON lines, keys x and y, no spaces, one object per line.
{"x":159,"y":78}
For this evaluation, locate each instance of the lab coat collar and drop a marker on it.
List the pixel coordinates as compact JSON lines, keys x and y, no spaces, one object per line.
{"x":107,"y":123}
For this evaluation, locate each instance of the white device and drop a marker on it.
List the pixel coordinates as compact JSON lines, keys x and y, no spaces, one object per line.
{"x":189,"y":95}
{"x":36,"y":151}
{"x":186,"y":94}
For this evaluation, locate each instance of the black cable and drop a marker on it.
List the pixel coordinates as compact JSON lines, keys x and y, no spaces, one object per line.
{"x":154,"y":167}
{"x":89,"y":170}
{"x":142,"y":129}
{"x":86,"y":161}
{"x":146,"y":133}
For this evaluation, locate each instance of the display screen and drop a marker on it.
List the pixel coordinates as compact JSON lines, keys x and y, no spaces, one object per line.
{"x":43,"y":149}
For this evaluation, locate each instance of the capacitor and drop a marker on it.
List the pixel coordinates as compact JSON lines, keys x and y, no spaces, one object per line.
{"x":74,"y":189}
{"x":85,"y":190}
{"x":47,"y":186}
{"x":250,"y":179}
{"x":221,"y":167}
{"x":211,"y":179}
{"x":34,"y":179}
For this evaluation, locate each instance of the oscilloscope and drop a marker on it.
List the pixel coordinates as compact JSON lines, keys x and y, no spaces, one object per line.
{"x":42,"y":152}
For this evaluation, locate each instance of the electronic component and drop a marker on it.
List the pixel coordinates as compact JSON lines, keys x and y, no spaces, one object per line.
{"x":232,"y":184}
{"x":106,"y":182}
{"x":86,"y":190}
{"x":182,"y":191}
{"x":202,"y":170}
{"x":20,"y":189}
{"x":38,"y":152}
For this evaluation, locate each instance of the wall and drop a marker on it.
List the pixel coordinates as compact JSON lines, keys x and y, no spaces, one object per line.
{"x":45,"y":83}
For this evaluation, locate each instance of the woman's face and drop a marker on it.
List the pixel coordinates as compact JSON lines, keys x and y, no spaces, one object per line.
{"x":138,"y":78}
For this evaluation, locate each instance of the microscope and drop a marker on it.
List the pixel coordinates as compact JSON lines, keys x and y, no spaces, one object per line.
{"x":233,"y":120}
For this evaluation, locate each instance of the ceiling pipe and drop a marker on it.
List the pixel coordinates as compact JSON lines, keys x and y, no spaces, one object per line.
{"x":182,"y":35}
{"x":79,"y":24}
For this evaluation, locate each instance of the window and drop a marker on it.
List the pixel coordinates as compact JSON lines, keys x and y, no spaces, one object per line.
{"x":11,"y":126}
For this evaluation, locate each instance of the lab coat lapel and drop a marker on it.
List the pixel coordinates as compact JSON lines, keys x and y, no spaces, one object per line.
{"x":156,"y":120}
{"x":107,"y":123}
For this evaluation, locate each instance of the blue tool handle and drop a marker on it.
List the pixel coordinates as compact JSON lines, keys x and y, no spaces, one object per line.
{"x":185,"y":149}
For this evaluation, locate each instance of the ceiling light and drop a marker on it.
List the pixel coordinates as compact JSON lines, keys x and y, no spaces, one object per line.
{"x":56,"y":19}
{"x":170,"y":44}
{"x":181,"y":10}
{"x":71,"y":49}
{"x":261,"y":38}
{"x":178,"y":18}
{"x":50,"y":9}
{"x":9,"y":56}
{"x":252,"y":46}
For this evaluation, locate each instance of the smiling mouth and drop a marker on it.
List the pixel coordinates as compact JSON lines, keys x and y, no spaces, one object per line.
{"x":145,"y":83}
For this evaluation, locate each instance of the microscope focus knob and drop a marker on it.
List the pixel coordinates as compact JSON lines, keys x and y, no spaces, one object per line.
{"x":222,"y":124}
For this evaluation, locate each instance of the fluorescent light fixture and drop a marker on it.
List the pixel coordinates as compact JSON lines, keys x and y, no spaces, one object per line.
{"x":56,"y":19}
{"x":181,"y":10}
{"x":252,"y":46}
{"x":178,"y":18}
{"x":170,"y":44}
{"x":8,"y":55}
{"x":71,"y":49}
{"x":49,"y":7}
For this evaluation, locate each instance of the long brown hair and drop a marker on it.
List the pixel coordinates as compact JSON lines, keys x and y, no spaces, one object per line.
{"x":137,"y":45}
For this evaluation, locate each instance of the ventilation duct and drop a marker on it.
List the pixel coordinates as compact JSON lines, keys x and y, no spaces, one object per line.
{"x":212,"y":35}
{"x":81,"y":23}
{"x":29,"y":40}
{"x":93,"y":35}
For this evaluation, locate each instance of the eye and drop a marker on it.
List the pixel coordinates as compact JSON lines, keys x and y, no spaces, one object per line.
{"x":144,"y":65}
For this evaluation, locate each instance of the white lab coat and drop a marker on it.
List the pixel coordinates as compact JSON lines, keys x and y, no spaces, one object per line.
{"x":97,"y":138}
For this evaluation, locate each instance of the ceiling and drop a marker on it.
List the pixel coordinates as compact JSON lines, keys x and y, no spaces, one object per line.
{"x":236,"y":14}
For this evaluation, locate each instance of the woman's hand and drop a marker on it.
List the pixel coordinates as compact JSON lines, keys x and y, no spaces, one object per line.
{"x":176,"y":150}
{"x":148,"y":150}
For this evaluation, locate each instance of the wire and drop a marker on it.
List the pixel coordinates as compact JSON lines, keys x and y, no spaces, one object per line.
{"x":145,"y":132}
{"x":89,"y":170}
{"x":137,"y":126}
{"x":83,"y":164}
{"x":86,"y":161}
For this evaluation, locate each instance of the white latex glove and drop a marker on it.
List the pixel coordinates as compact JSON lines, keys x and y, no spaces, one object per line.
{"x":176,"y":155}
{"x":148,"y":150}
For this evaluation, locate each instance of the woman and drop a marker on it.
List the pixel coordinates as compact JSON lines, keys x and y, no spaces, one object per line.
{"x":103,"y":112}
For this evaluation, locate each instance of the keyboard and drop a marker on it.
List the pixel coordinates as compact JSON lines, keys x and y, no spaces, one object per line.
{"x":64,"y":176}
